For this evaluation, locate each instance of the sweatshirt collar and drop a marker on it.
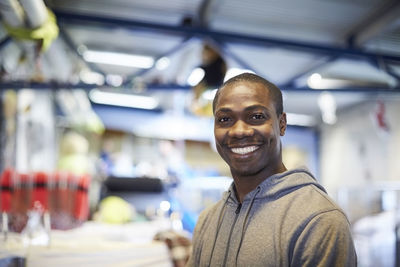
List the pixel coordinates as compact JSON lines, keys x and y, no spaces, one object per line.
{"x":276,"y":185}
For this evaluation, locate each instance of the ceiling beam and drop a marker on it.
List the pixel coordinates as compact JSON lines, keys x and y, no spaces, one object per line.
{"x":171,"y":51}
{"x":228,"y":53}
{"x":319,"y":63}
{"x":75,"y":18}
{"x":4,"y":41}
{"x":18,"y":85}
{"x":207,"y":7}
{"x":375,"y":23}
{"x":70,"y":43}
{"x":381,"y":65}
{"x":22,"y":84}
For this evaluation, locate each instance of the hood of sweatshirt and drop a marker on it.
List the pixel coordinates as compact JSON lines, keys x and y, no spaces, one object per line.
{"x":277,"y":185}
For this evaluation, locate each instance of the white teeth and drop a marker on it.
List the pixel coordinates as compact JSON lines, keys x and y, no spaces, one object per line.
{"x":244,"y":150}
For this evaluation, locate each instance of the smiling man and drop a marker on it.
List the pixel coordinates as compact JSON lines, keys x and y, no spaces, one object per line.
{"x":270,"y":216}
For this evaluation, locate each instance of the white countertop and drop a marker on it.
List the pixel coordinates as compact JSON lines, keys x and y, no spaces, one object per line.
{"x":95,"y":244}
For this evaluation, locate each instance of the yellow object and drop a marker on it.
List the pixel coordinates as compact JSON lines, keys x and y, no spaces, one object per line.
{"x":202,"y":108}
{"x":115,"y":210}
{"x":45,"y":33}
{"x":76,"y":164}
{"x":74,"y":154}
{"x":94,"y":124}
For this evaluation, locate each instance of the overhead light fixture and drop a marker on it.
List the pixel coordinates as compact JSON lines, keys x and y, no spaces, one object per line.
{"x":300,"y":119}
{"x":119,"y":59}
{"x":123,"y":100}
{"x":314,"y":81}
{"x":162,"y":63}
{"x":114,"y":79}
{"x":327,"y":105}
{"x":91,"y":77}
{"x":195,"y":77}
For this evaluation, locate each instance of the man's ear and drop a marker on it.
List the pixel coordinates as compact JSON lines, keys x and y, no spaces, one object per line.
{"x":282,"y":124}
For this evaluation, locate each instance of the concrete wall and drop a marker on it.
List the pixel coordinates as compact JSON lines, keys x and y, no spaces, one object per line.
{"x":357,"y":157}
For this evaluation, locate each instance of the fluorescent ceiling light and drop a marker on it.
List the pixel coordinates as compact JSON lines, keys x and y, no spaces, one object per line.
{"x":114,"y":79}
{"x":162,"y":63}
{"x":123,"y":100}
{"x":300,"y":119}
{"x":91,"y":77}
{"x":327,"y":105}
{"x":120,"y":59}
{"x":314,"y":81}
{"x":195,"y":77}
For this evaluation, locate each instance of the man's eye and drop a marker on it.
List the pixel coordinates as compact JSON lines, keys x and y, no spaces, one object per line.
{"x":223,"y":119}
{"x":257,"y":117}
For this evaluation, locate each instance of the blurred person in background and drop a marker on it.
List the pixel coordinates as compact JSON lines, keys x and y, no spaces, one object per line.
{"x":214,"y":67}
{"x":270,"y":216}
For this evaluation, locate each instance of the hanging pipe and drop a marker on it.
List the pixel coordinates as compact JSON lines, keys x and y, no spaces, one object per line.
{"x":12,"y":13}
{"x":35,"y":11}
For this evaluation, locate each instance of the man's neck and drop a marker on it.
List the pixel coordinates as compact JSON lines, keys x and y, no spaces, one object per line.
{"x":245,"y":184}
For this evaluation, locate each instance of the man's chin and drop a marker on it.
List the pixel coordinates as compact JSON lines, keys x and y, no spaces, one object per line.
{"x":244,"y":171}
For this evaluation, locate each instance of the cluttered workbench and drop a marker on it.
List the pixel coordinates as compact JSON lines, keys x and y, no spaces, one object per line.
{"x":92,"y":244}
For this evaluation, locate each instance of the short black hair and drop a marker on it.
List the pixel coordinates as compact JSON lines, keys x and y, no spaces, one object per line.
{"x":274,"y":91}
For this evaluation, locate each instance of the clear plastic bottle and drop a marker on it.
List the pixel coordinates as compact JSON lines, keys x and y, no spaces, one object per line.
{"x":36,"y":231}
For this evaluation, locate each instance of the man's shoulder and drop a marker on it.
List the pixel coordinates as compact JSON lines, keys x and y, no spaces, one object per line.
{"x":311,"y":201}
{"x":210,"y":210}
{"x":208,"y":213}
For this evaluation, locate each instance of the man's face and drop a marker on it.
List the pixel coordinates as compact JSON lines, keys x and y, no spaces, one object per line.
{"x":247,"y":129}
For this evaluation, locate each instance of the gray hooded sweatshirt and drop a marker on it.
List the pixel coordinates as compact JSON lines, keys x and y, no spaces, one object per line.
{"x":288,"y":220}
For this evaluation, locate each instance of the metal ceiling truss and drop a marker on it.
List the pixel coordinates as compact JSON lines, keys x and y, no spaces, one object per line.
{"x":383,"y":66}
{"x":54,"y":86}
{"x":179,"y":46}
{"x":326,"y":60}
{"x":74,"y":18}
{"x":4,"y":41}
{"x":19,"y":85}
{"x":368,"y":28}
{"x":332,"y":53}
{"x":375,"y":23}
{"x":70,"y":43}
{"x":205,"y":11}
{"x":228,"y":52}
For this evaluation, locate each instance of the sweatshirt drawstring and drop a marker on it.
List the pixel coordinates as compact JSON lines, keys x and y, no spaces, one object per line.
{"x":245,"y":221}
{"x":220,"y":219}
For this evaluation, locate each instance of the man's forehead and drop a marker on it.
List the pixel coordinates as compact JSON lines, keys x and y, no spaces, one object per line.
{"x":244,"y":89}
{"x":245,"y":84}
{"x":243,"y":97}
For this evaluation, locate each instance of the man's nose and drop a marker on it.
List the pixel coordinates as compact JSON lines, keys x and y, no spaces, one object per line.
{"x":240,"y":129}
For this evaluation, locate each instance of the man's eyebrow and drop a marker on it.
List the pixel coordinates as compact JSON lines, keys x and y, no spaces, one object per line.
{"x":223,"y":110}
{"x":249,"y":108}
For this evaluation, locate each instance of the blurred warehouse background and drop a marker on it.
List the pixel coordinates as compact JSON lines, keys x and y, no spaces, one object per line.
{"x":113,"y":97}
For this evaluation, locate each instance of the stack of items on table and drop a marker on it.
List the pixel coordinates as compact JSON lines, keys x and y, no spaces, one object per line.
{"x":62,"y":195}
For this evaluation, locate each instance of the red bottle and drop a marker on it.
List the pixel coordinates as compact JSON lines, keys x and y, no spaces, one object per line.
{"x":81,"y":199}
{"x":5,"y":197}
{"x":40,"y":190}
{"x":6,"y":190}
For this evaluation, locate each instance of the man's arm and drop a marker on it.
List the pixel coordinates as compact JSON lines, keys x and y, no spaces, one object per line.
{"x":325,"y":241}
{"x":196,"y":237}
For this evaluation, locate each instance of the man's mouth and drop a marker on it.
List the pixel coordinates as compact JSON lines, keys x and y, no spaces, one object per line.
{"x":244,"y":150}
